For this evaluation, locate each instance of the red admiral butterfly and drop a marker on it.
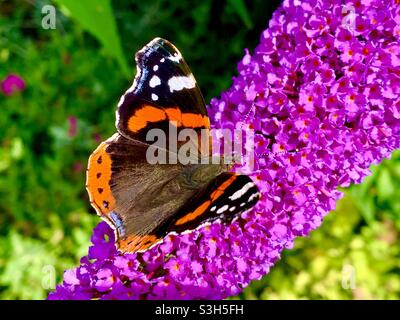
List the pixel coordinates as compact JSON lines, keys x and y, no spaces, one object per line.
{"x":144,"y":202}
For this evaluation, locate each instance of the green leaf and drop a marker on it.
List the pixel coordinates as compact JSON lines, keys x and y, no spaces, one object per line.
{"x":240,"y":7}
{"x":367,"y":209}
{"x":97,"y":17}
{"x":385,"y":185}
{"x":17,"y":148}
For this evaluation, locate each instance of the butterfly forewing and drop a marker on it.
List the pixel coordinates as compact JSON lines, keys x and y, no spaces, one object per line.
{"x":164,"y":91}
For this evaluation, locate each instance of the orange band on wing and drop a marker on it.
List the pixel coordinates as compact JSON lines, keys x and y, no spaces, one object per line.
{"x":97,"y":180}
{"x":174,"y":114}
{"x":144,"y":115}
{"x":193,"y":120}
{"x":147,"y":113}
{"x":220,"y":190}
{"x":137,"y":243}
{"x":201,"y":209}
{"x":193,"y":215}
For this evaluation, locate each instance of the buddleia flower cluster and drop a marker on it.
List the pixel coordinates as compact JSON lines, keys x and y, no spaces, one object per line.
{"x":322,"y":91}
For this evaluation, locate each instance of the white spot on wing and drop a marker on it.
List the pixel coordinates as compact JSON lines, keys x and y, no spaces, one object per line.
{"x":254,"y":195}
{"x":242,"y":204}
{"x":154,"y":81}
{"x":179,"y":83}
{"x":222,"y":209}
{"x":242,"y":191}
{"x":232,"y":208}
{"x":162,"y":60}
{"x":155,"y":68}
{"x":154,"y":97}
{"x":213,"y":208}
{"x":176,"y":57}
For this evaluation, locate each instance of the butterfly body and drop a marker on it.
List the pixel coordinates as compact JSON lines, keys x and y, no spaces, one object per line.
{"x":144,"y":201}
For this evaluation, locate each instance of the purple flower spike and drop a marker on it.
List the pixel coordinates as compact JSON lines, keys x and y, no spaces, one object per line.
{"x":321,"y":88}
{"x":12,"y":84}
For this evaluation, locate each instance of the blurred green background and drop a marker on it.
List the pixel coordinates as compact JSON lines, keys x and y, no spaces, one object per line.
{"x":74,"y":77}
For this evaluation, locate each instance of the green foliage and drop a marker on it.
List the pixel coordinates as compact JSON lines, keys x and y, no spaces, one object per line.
{"x":240,"y":7}
{"x":31,"y":266}
{"x":78,"y":71}
{"x":96,"y":16}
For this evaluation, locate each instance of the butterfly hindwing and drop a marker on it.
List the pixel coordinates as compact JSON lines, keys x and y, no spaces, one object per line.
{"x":222,"y":199}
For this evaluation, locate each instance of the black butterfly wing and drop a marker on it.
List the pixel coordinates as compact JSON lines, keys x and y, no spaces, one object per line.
{"x":164,"y":91}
